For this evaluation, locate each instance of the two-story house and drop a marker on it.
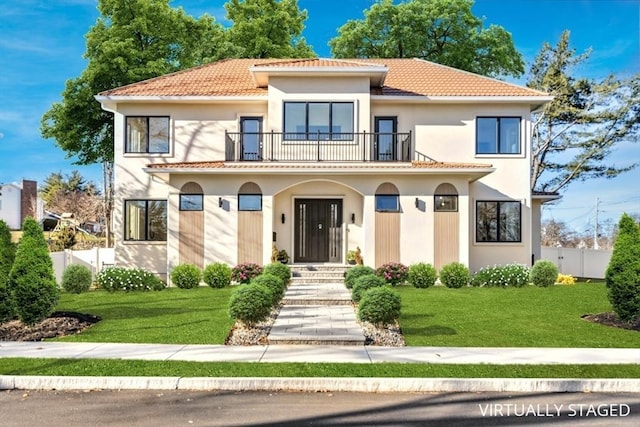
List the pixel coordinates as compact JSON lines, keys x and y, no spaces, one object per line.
{"x":408,"y":160}
{"x":19,"y":200}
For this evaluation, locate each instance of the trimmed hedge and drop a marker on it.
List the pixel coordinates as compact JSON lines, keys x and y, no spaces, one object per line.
{"x":454,"y":275}
{"x":422,"y":275}
{"x":380,"y":306}
{"x":186,"y":276}
{"x":76,"y":279}
{"x":273,"y":283}
{"x":354,"y":272}
{"x":364,"y":283}
{"x":278,"y":269}
{"x":544,"y":273}
{"x":217,"y":275}
{"x":250,"y":304}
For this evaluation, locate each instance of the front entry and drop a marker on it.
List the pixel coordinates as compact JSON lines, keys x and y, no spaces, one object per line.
{"x":318,"y":234}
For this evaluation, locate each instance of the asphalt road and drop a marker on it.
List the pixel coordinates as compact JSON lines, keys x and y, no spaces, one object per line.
{"x":184,"y":408}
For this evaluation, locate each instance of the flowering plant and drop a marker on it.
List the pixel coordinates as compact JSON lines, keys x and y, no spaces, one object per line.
{"x":565,"y":279}
{"x":243,"y":273}
{"x":516,"y":275}
{"x":393,"y":273}
{"x":128,"y":279}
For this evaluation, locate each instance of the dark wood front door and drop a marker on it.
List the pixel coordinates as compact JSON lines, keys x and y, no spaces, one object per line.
{"x":318,"y":234}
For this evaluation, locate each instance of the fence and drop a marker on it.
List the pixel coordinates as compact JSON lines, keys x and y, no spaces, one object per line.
{"x":590,"y":263}
{"x":95,"y":259}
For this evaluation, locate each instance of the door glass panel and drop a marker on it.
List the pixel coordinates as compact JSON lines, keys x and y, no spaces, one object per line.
{"x":251,"y":138}
{"x":385,"y":129}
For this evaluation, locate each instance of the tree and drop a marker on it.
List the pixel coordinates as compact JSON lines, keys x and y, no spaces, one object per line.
{"x":132,"y":40}
{"x":557,"y":234}
{"x":267,"y":29}
{"x":442,"y":31}
{"x":7,"y":255}
{"x":623,"y":273}
{"x":574,"y":134}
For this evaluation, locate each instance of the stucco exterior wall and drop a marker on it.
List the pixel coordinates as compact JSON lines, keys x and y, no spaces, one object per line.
{"x":10,"y":206}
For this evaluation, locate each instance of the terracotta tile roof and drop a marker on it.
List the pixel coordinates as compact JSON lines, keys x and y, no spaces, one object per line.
{"x":314,"y":165}
{"x":406,"y":77}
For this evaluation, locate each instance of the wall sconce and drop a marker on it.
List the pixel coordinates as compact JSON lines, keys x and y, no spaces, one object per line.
{"x":282,"y":218}
{"x":220,"y":202}
{"x":417,"y":203}
{"x":353,"y":218}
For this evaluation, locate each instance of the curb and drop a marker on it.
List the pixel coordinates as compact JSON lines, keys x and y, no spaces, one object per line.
{"x":362,"y":385}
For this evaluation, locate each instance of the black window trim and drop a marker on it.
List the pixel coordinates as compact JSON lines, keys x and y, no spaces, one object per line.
{"x":397,"y":196}
{"x":126,"y":134}
{"x":498,"y":153}
{"x":250,"y":210}
{"x":146,"y":210}
{"x":435,"y":203}
{"x":191,"y":210}
{"x":309,"y":136}
{"x":519,"y":203}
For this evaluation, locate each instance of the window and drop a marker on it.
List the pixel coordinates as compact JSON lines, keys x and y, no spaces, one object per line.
{"x":324,"y":120}
{"x":498,"y":135}
{"x":249,"y":202}
{"x":498,"y":221}
{"x":147,"y":135}
{"x":387,"y":203}
{"x":445,"y":203}
{"x":191,"y":202}
{"x":145,"y":220}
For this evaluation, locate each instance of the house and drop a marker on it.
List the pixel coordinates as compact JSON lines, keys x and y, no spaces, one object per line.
{"x":409,"y":160}
{"x":18,"y":201}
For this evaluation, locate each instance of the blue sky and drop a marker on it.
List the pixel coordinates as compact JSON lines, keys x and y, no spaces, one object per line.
{"x":42,"y":43}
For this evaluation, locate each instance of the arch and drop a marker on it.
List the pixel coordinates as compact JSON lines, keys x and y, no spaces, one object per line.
{"x":250,"y":238}
{"x":446,"y":225}
{"x":191,"y":224}
{"x":191,"y":188}
{"x":446,"y":189}
{"x":387,"y":228}
{"x":250,"y":188}
{"x":387,"y":188}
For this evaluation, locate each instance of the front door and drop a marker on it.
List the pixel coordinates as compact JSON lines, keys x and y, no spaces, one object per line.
{"x":318,"y":234}
{"x":386,"y":129}
{"x":251,"y":138}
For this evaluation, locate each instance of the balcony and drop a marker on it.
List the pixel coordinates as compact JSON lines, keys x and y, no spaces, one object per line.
{"x":317,"y":147}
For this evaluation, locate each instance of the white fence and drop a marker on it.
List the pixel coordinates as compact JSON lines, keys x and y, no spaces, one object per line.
{"x":590,"y":263}
{"x":95,"y":259}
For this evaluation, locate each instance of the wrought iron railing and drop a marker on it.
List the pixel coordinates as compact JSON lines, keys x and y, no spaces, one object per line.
{"x":318,"y":147}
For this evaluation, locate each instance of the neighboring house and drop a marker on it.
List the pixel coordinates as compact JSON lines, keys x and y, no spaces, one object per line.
{"x":409,"y":160}
{"x":17,"y":201}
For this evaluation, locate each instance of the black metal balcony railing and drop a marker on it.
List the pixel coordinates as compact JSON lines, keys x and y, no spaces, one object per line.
{"x":318,"y":147}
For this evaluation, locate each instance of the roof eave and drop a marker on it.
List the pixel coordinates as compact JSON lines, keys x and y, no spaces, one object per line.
{"x":111,"y":99}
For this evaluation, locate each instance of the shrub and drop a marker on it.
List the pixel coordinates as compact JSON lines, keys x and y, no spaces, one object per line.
{"x":128,"y":279}
{"x":565,"y":279}
{"x":243,"y":273}
{"x":516,"y":275}
{"x":217,"y":275}
{"x":7,"y":252}
{"x":394,"y":273}
{"x":363,"y":283}
{"x":76,"y":279}
{"x":422,"y":275}
{"x":544,"y":273}
{"x":273,"y":283}
{"x":278,"y":269}
{"x":250,"y":304}
{"x":186,"y":276}
{"x":380,"y":306}
{"x":623,"y":273}
{"x":66,"y":238}
{"x":7,"y":307}
{"x":354,"y":272}
{"x":454,"y":275}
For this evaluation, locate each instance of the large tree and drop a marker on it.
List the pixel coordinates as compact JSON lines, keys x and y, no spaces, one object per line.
{"x":267,"y":29}
{"x":442,"y":31}
{"x":574,"y":135}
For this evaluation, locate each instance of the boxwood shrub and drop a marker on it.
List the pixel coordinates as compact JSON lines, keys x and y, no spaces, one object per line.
{"x":217,"y":275}
{"x":76,"y":279}
{"x":354,"y":272}
{"x":454,"y":275}
{"x":364,"y":283}
{"x":186,"y":276}
{"x":422,"y":275}
{"x":544,"y":273}
{"x":278,"y":269}
{"x":274,"y":283}
{"x":250,"y":304}
{"x":380,"y":306}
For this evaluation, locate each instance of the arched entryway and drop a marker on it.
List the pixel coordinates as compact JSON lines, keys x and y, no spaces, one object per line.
{"x":387,"y":218}
{"x":191,"y":225}
{"x":250,"y":223}
{"x":446,"y":225}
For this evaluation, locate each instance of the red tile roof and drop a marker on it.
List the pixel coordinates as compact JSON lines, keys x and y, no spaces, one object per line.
{"x":275,"y":165}
{"x":405,"y":77}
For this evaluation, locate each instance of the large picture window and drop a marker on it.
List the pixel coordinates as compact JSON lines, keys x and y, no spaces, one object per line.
{"x":498,"y":135}
{"x":145,"y":220}
{"x":498,"y":221}
{"x":323,"y":120}
{"x":147,"y":135}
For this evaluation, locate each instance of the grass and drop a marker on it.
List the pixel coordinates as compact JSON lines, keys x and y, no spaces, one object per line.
{"x":102,"y":367}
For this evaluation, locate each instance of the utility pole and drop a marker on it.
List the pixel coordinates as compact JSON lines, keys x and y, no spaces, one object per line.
{"x":595,"y":230}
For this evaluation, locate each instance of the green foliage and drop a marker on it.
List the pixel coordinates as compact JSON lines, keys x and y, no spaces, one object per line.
{"x":394,"y":273}
{"x":422,"y":275}
{"x":267,"y":29}
{"x":66,"y":238}
{"x":454,"y":275}
{"x":623,"y":272}
{"x":32,"y":281}
{"x":31,"y":228}
{"x":544,"y":273}
{"x":516,"y":275}
{"x":574,"y":134}
{"x":128,"y":279}
{"x":354,"y":272}
{"x":251,"y":304}
{"x":76,"y":279}
{"x":442,"y":31}
{"x":186,"y":276}
{"x":273,"y":283}
{"x":7,"y":253}
{"x":217,"y":275}
{"x":363,"y":283}
{"x":278,"y":269}
{"x":380,"y":306}
{"x":7,"y":305}
{"x":243,"y":273}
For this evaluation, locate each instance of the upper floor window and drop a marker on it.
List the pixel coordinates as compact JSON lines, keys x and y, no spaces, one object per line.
{"x":147,"y":135}
{"x":318,"y":120}
{"x":145,"y":220}
{"x":498,"y":221}
{"x":498,"y":135}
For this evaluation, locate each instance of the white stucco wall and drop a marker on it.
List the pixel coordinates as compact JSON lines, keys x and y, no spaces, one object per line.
{"x":10,"y":206}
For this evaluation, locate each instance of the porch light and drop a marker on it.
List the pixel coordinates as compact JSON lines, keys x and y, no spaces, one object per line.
{"x":282,"y":217}
{"x":220,"y":202}
{"x":353,"y":218}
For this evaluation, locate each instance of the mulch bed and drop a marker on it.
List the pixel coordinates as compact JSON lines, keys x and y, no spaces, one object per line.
{"x":611,"y":319}
{"x":59,"y":324}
